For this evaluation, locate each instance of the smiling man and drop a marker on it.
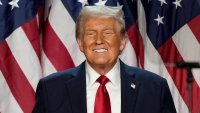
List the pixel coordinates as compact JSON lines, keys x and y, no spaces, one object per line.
{"x":103,"y":83}
{"x":101,"y":40}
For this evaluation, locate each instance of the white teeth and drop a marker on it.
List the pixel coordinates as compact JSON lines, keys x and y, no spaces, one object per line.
{"x":100,"y":50}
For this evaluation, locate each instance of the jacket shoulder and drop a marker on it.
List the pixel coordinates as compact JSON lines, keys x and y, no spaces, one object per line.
{"x":143,"y":76}
{"x":63,"y":75}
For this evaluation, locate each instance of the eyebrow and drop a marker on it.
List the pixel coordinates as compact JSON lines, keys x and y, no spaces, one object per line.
{"x":89,"y":30}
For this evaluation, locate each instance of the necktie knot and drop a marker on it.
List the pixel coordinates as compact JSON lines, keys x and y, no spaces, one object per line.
{"x":102,"y":80}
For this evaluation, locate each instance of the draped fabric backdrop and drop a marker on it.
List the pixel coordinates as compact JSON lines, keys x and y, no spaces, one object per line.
{"x":37,"y":38}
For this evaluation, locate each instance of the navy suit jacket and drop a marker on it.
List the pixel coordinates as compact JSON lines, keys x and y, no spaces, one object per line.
{"x":65,"y":92}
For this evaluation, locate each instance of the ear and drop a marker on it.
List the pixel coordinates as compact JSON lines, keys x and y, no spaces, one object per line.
{"x":80,"y":43}
{"x":122,"y":43}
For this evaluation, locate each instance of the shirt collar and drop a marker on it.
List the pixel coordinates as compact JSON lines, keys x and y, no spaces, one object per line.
{"x":113,"y":75}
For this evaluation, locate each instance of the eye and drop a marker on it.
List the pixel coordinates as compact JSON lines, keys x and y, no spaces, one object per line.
{"x":107,"y":32}
{"x":90,"y":33}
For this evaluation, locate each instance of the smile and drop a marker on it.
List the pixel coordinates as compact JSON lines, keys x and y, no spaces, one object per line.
{"x":100,"y":50}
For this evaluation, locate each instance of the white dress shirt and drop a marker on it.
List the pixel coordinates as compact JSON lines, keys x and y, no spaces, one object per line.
{"x":113,"y":87}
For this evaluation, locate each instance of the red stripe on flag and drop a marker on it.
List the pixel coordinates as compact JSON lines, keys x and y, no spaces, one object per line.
{"x":32,"y":32}
{"x":141,"y":54}
{"x":194,"y":25}
{"x":41,"y":17}
{"x":137,"y":43}
{"x":178,"y":75}
{"x":195,"y":98}
{"x":16,"y":80}
{"x":55,"y":50}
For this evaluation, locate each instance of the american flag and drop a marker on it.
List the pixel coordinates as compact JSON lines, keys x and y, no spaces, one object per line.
{"x":170,"y":32}
{"x":20,"y":56}
{"x":160,"y":33}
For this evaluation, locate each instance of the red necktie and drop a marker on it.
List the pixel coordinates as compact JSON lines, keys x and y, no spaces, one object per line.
{"x":102,"y":101}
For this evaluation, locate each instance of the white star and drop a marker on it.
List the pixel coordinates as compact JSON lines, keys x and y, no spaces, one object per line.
{"x":159,"y":19}
{"x":101,"y":2}
{"x":162,"y":1}
{"x":1,"y":3}
{"x":177,"y":3}
{"x":14,"y":4}
{"x":83,"y":2}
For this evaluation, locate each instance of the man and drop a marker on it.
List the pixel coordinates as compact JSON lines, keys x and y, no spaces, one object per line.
{"x":101,"y":36}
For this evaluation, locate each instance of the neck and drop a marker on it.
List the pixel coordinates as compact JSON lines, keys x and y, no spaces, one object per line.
{"x":103,"y":69}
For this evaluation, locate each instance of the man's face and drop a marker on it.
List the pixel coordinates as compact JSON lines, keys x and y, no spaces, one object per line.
{"x":101,"y":42}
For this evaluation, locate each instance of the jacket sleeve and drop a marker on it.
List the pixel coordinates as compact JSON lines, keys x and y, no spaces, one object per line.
{"x":167,"y":101}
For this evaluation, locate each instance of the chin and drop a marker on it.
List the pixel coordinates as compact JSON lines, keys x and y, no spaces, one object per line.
{"x":100,"y":62}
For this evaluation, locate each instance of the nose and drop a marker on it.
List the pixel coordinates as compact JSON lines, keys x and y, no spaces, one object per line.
{"x":99,"y":39}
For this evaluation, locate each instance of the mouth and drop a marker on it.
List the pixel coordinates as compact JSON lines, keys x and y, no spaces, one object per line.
{"x":102,"y":50}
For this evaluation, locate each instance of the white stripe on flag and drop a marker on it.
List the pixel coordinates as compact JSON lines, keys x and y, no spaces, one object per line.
{"x":128,"y":55}
{"x":8,"y":104}
{"x":48,"y":4}
{"x":154,"y":63}
{"x":64,"y":26}
{"x":25,"y":56}
{"x":38,"y":20}
{"x":189,"y":48}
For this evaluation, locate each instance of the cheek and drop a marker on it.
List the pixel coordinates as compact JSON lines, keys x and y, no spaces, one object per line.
{"x":117,"y":44}
{"x":87,"y":44}
{"x":83,"y":44}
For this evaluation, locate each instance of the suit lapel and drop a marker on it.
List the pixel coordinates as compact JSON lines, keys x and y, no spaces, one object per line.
{"x":77,"y":91}
{"x":129,"y":89}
